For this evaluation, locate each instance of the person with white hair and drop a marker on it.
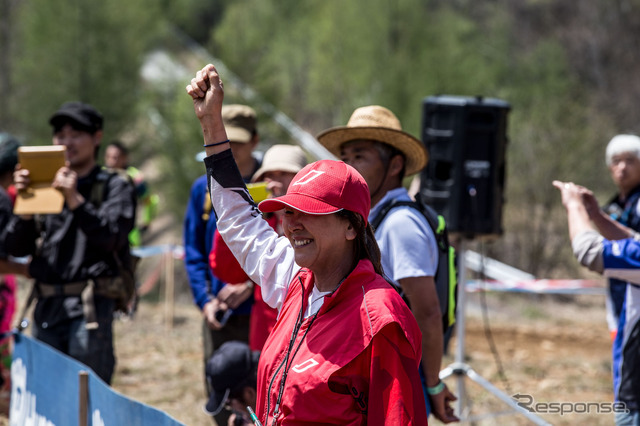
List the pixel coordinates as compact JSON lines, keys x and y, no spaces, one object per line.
{"x":623,"y":160}
{"x":605,"y":246}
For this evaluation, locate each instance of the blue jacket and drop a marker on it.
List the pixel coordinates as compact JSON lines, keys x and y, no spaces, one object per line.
{"x":622,"y":260}
{"x":198,"y":240}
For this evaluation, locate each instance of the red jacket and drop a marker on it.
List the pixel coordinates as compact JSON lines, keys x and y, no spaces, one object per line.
{"x":354,"y":363}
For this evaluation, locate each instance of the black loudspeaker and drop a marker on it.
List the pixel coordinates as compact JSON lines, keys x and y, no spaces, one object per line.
{"x":465,"y":177}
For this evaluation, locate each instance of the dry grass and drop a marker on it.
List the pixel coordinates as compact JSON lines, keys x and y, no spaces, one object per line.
{"x":160,"y":363}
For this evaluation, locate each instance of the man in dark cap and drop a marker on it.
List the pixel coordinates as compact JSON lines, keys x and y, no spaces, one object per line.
{"x":83,"y":249}
{"x":232,"y":375}
{"x":76,"y":120}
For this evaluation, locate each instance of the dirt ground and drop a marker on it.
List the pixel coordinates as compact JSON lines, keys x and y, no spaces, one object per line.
{"x":555,"y":349}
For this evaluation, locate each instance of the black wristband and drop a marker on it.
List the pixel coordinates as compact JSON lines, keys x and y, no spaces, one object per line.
{"x":215,"y":144}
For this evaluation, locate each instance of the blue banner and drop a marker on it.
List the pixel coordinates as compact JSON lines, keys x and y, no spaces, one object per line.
{"x":45,"y":392}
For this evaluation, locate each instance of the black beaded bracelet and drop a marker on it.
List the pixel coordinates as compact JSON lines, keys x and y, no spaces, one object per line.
{"x":215,"y":144}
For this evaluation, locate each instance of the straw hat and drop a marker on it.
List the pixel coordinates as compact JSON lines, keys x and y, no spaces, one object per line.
{"x":379,"y":124}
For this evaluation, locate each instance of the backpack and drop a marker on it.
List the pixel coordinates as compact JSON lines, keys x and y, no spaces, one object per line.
{"x":446,"y":278}
{"x":122,"y":288}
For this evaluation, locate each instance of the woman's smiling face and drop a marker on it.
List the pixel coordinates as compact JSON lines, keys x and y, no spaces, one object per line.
{"x":321,"y":242}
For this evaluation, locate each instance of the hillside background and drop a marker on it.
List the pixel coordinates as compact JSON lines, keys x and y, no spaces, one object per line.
{"x":568,"y":69}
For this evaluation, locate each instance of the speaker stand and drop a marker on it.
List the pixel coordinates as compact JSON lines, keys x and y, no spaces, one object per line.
{"x":462,"y":371}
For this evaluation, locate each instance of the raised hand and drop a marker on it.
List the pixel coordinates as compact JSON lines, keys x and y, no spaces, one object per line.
{"x":207,"y":92}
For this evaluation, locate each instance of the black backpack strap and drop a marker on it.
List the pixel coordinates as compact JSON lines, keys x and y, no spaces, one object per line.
{"x":436,"y":222}
{"x":99,"y":192}
{"x":103,"y":177}
{"x":429,"y":214}
{"x":387,"y":207}
{"x":443,"y":273}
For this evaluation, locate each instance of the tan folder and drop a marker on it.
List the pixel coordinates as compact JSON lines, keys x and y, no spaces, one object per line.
{"x":42,"y":162}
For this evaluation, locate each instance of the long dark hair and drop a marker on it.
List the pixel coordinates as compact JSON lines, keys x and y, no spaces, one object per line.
{"x":366,"y":246}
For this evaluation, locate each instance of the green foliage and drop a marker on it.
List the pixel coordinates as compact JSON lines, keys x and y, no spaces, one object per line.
{"x":549,"y":127}
{"x":194,"y":17}
{"x":86,"y":50}
{"x":179,"y":139}
{"x":336,"y":56}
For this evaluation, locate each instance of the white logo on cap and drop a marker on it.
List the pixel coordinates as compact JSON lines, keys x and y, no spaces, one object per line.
{"x":308,"y":177}
{"x":305,"y":365}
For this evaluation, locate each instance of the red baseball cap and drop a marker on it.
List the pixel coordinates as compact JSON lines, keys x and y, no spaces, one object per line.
{"x":324,"y":187}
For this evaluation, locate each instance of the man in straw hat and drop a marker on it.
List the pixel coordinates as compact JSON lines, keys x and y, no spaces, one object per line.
{"x":375,"y":145}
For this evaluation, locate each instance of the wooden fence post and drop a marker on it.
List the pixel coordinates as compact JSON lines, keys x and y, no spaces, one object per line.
{"x":83,"y":388}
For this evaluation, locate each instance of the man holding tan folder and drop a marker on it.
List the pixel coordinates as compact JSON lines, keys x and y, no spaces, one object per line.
{"x":84,"y":247}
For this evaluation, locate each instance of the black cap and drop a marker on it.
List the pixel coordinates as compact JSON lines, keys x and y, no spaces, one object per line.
{"x":8,"y":152}
{"x":227,"y":368}
{"x":81,"y":116}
